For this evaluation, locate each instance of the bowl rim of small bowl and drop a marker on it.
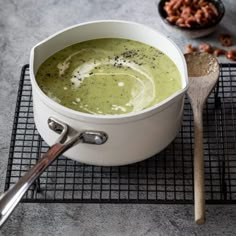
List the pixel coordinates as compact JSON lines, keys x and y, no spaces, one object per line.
{"x":217,"y":3}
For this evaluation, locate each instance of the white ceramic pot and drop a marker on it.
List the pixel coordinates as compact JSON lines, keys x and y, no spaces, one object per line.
{"x":131,"y":137}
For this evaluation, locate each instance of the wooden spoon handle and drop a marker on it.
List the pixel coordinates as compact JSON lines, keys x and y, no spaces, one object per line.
{"x":199,"y":191}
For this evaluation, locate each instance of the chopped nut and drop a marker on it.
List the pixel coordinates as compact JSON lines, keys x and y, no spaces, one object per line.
{"x":226,"y":40}
{"x":231,"y":55}
{"x":190,"y":48}
{"x":205,"y":47}
{"x":218,"y":51}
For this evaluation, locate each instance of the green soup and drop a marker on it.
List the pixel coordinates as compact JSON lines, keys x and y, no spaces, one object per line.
{"x":108,"y":76}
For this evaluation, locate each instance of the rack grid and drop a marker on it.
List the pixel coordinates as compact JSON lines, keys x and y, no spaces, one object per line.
{"x":164,"y":178}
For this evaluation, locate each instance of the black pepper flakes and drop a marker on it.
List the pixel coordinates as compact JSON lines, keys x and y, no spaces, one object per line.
{"x":129,"y":53}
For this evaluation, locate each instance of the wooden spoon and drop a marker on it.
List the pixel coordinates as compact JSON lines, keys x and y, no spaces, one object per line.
{"x":203,"y":72}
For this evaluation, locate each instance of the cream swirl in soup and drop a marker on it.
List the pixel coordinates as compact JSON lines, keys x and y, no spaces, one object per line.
{"x":108,"y":76}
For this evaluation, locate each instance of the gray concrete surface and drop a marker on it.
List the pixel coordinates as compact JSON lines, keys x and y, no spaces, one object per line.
{"x":23,"y":24}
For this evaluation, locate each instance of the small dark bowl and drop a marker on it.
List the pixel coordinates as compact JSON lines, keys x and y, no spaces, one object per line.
{"x":196,"y":31}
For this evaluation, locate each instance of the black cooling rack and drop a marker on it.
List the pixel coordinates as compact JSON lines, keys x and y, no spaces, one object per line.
{"x":163,"y":178}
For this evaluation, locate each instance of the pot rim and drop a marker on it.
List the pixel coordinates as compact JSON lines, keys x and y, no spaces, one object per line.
{"x":97,"y":118}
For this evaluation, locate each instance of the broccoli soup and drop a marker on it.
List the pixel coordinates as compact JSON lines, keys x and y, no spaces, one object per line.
{"x":108,"y":76}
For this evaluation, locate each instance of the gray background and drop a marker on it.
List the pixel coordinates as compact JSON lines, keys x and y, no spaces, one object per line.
{"x":22,"y":25}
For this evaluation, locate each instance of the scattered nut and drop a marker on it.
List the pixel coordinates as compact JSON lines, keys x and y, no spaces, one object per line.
{"x":190,"y":48}
{"x":218,"y":51}
{"x":226,"y":40}
{"x":231,"y":55}
{"x":205,"y":47}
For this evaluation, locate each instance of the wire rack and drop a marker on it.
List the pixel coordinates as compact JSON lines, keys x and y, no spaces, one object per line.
{"x":164,"y":178}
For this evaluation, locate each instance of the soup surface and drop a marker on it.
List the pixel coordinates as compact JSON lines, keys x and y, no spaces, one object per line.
{"x":108,"y":76}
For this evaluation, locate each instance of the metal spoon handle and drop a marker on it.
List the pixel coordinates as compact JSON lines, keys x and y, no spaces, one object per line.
{"x":12,"y":197}
{"x":199,"y":186}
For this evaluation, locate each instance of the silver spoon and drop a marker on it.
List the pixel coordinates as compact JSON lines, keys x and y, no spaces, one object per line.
{"x":203,"y":72}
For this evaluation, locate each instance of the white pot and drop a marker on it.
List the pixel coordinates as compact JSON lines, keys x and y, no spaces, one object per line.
{"x":131,"y":137}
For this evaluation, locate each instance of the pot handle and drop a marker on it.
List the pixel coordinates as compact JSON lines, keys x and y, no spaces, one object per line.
{"x":10,"y":199}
